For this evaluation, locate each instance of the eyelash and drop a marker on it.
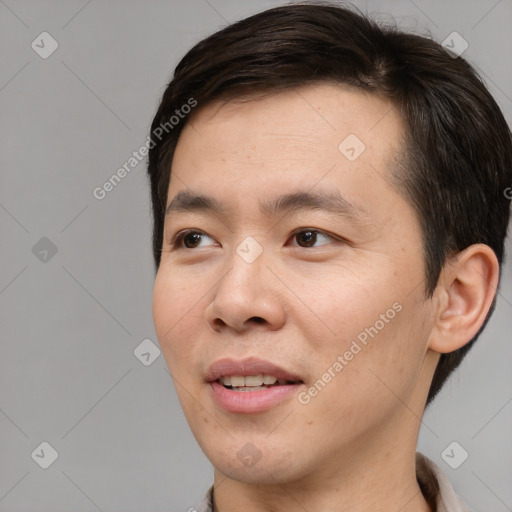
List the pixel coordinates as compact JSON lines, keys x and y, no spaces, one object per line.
{"x":179,"y":237}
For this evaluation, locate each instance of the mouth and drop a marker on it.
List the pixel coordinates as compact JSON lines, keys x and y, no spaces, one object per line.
{"x":251,"y":385}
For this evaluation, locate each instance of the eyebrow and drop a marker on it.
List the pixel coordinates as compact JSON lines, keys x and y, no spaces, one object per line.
{"x":332,"y":202}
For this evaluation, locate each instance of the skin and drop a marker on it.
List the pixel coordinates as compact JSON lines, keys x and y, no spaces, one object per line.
{"x":352,"y":447}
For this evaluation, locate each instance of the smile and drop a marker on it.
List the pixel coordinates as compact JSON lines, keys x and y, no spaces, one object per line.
{"x":251,"y":382}
{"x":251,"y":385}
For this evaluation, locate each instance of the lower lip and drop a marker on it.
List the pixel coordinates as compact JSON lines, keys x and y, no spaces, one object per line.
{"x":251,"y":401}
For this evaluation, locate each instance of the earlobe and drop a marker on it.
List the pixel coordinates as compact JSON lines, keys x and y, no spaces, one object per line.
{"x":465,"y":292}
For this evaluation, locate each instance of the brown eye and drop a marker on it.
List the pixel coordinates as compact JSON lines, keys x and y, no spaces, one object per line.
{"x":192,"y":240}
{"x":310,"y":237}
{"x":306,"y":238}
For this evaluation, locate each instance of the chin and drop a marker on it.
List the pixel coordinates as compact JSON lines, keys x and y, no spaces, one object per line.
{"x":253,"y":466}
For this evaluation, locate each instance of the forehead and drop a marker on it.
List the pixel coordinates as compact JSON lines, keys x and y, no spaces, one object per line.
{"x":302,"y":120}
{"x":324,"y":134}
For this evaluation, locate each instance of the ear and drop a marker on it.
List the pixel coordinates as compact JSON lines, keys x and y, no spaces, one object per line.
{"x":465,"y":291}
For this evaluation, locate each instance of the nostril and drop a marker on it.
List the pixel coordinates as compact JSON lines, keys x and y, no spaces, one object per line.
{"x":219,"y":324}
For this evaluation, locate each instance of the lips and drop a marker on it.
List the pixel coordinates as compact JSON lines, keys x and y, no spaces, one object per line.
{"x":234,"y":385}
{"x":248,"y":367}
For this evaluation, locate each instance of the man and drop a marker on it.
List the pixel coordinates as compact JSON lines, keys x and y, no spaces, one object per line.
{"x":329,"y":217}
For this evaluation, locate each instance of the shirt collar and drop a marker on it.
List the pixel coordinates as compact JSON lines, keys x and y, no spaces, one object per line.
{"x":436,"y":487}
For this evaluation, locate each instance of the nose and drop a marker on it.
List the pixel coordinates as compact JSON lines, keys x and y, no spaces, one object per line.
{"x":246,"y":297}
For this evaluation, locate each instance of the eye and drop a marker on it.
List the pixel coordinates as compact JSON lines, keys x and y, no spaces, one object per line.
{"x":310,"y":237}
{"x":190,"y":239}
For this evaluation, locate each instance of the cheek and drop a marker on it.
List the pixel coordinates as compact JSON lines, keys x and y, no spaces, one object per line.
{"x":175,"y":313}
{"x":381,"y":363}
{"x":369,"y":319}
{"x":342,"y":306}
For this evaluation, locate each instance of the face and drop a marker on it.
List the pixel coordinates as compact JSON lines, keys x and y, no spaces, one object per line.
{"x":288,"y":254}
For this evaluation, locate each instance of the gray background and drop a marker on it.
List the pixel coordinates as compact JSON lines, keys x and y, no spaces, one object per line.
{"x":70,"y":324}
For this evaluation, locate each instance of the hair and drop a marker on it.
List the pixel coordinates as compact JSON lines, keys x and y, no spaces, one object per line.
{"x":456,"y":162}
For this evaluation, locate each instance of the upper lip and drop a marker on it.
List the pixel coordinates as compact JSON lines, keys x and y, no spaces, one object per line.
{"x":248,"y":366}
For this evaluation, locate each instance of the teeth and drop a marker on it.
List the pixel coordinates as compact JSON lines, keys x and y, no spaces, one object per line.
{"x":237,"y":381}
{"x":249,"y":380}
{"x":252,"y":380}
{"x":225,"y":381}
{"x":249,"y":389}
